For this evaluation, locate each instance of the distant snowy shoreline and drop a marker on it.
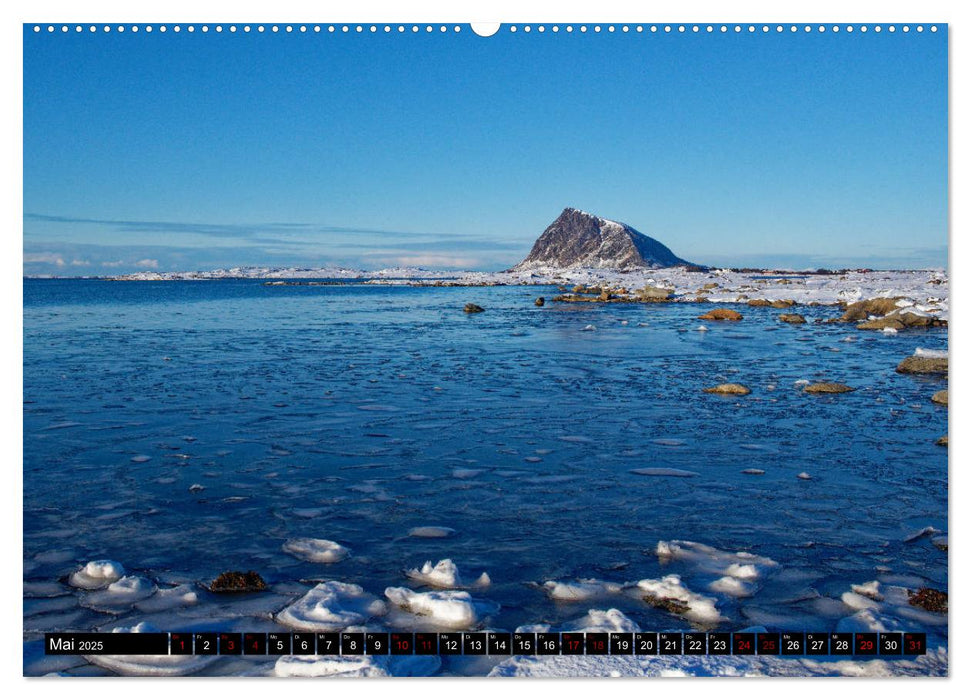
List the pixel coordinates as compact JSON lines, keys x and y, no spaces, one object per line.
{"x":926,"y":291}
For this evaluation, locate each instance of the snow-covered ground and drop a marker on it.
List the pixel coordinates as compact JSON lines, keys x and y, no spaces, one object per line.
{"x":926,"y":290}
{"x":921,"y":291}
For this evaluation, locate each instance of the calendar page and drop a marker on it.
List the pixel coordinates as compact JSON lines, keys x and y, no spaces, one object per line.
{"x":534,"y":349}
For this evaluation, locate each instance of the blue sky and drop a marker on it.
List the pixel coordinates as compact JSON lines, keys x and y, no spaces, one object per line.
{"x":194,"y":151}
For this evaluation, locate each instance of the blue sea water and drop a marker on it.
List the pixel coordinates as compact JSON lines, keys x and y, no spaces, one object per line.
{"x":357,"y":412}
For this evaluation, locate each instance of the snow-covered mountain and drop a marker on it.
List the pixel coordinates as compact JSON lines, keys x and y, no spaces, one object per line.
{"x":581,"y":240}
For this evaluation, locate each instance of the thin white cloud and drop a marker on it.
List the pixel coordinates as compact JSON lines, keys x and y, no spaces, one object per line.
{"x":428,"y":261}
{"x":49,"y":258}
{"x":80,"y":263}
{"x":147,"y":262}
{"x":113,"y":263}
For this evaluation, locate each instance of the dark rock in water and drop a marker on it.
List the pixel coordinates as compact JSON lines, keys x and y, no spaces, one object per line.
{"x":940,"y":397}
{"x":792,"y":318}
{"x":540,"y":301}
{"x":827,"y":388}
{"x":776,"y":304}
{"x":929,"y":599}
{"x":737,"y":389}
{"x":861,"y":310}
{"x":923,"y":365}
{"x":650,"y":293}
{"x":238,"y":582}
{"x":941,"y":441}
{"x":577,"y":239}
{"x":899,"y":320}
{"x":721,"y":315}
{"x":473,"y":309}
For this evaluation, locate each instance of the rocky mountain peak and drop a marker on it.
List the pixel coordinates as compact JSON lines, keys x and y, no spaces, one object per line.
{"x":578,"y":239}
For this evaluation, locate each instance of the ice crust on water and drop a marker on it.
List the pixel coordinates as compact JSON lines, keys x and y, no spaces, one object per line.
{"x":431,"y":531}
{"x":452,"y":609}
{"x":934,"y":663}
{"x":924,"y":352}
{"x":699,"y":608}
{"x":169,"y":598}
{"x":584,"y":589}
{"x":97,"y":574}
{"x":330,"y":606}
{"x":355,"y":666}
{"x":445,"y":574}
{"x":150,"y":665}
{"x":663,"y":471}
{"x":317,"y":551}
{"x":119,"y":595}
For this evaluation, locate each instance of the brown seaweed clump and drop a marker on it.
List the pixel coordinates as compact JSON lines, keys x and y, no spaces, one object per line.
{"x":929,"y":599}
{"x":238,"y":582}
{"x":671,"y":605}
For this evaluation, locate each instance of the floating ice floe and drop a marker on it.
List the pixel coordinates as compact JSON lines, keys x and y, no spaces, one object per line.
{"x":584,"y":589}
{"x":169,"y":598}
{"x":736,"y":571}
{"x":702,"y":328}
{"x":743,"y":565}
{"x":663,"y":471}
{"x":936,"y":354}
{"x":670,"y":594}
{"x":612,"y":620}
{"x":119,"y":595}
{"x":431,"y":532}
{"x":731,"y":586}
{"x":889,"y":331}
{"x":804,"y":476}
{"x":669,"y":442}
{"x":139,"y":459}
{"x":451,"y":609}
{"x":355,"y":666}
{"x":859,"y":602}
{"x":317,"y":551}
{"x":331,"y":605}
{"x":801,"y":382}
{"x":445,"y":574}
{"x":97,"y":574}
{"x":924,"y":532}
{"x":870,"y":589}
{"x":308,"y":513}
{"x":589,"y":327}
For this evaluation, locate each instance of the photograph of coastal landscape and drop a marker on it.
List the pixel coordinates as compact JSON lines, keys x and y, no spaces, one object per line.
{"x":594,"y":328}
